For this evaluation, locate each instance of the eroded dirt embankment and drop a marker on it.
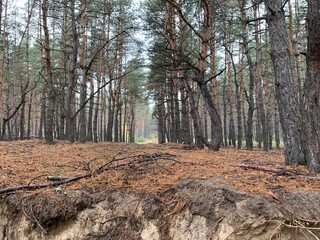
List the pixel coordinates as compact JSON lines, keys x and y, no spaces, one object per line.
{"x":193,"y":209}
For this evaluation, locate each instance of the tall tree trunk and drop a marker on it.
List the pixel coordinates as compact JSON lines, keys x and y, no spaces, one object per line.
{"x":161,"y":117}
{"x":3,"y":29}
{"x":290,"y":117}
{"x":250,"y":92}
{"x":205,"y":35}
{"x":171,"y":37}
{"x":70,"y":100}
{"x":63,"y":73}
{"x":313,"y":87}
{"x":238,"y":97}
{"x":225,"y":116}
{"x":133,"y":120}
{"x":103,"y":120}
{"x":111,"y":106}
{"x":118,"y":104}
{"x":198,"y":129}
{"x":100,"y":77}
{"x":91,"y":106}
{"x":29,"y":115}
{"x":232,"y":133}
{"x":50,"y":80}
{"x":185,"y":123}
{"x":268,"y":95}
{"x":83,"y":87}
{"x":259,"y":84}
{"x":213,"y":72}
{"x":277,"y":127}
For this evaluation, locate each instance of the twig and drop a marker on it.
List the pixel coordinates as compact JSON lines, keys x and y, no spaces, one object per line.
{"x":279,"y":171}
{"x":124,"y":163}
{"x":113,"y":218}
{"x":34,"y":219}
{"x":210,"y":235}
{"x":296,"y":226}
{"x":39,"y":186}
{"x":43,"y":175}
{"x":217,"y":222}
{"x":271,"y":194}
{"x":57,"y":178}
{"x":275,"y":230}
{"x":175,"y":211}
{"x":306,"y":228}
{"x":38,"y":223}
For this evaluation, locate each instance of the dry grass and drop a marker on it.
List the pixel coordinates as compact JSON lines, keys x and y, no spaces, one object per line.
{"x":30,"y":162}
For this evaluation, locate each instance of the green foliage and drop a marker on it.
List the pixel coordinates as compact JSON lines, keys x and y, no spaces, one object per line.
{"x":135,"y":78}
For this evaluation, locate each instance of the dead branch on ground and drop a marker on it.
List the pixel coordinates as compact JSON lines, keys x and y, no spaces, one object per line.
{"x":128,"y":163}
{"x":57,"y":178}
{"x":278,"y":171}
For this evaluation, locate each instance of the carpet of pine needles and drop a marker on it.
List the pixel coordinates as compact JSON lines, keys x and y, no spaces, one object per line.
{"x":31,"y":162}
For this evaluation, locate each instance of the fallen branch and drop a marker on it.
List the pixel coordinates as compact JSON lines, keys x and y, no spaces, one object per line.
{"x":129,"y":163}
{"x":278,"y":171}
{"x":39,"y":186}
{"x":136,"y":161}
{"x":57,"y":178}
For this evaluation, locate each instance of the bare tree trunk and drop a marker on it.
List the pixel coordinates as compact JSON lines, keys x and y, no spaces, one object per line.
{"x":118,"y":104}
{"x":133,"y":120}
{"x":290,"y":117}
{"x":100,"y":77}
{"x":198,"y":129}
{"x":225,"y":116}
{"x":50,"y":85}
{"x":185,"y":123}
{"x":205,"y":35}
{"x":63,"y":73}
{"x":232,"y":134}
{"x":111,"y":106}
{"x":238,"y":96}
{"x":250,"y":92}
{"x":42,"y":121}
{"x":29,"y":115}
{"x":91,"y":106}
{"x":83,"y":87}
{"x":277,"y":126}
{"x":3,"y":29}
{"x":259,"y":85}
{"x":313,"y":87}
{"x":213,"y":72}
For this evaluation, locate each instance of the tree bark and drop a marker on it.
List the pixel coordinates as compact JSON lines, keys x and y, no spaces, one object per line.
{"x":50,"y":80}
{"x":290,"y":118}
{"x":250,"y":92}
{"x":70,"y":100}
{"x":313,"y":87}
{"x":3,"y":29}
{"x":83,"y":87}
{"x":259,"y":84}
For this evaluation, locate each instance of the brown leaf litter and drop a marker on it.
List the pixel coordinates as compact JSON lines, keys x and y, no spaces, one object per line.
{"x":144,"y":168}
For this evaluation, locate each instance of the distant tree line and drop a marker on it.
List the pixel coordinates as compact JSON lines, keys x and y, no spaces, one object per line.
{"x":220,"y":73}
{"x":228,"y":72}
{"x":69,"y":70}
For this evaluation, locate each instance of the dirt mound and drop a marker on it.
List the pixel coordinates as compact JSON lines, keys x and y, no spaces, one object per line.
{"x":193,"y":209}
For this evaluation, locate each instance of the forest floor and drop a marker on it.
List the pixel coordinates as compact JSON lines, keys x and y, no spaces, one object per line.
{"x":147,"y":168}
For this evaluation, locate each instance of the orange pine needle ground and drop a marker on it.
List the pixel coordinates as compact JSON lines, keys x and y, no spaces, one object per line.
{"x":30,"y":162}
